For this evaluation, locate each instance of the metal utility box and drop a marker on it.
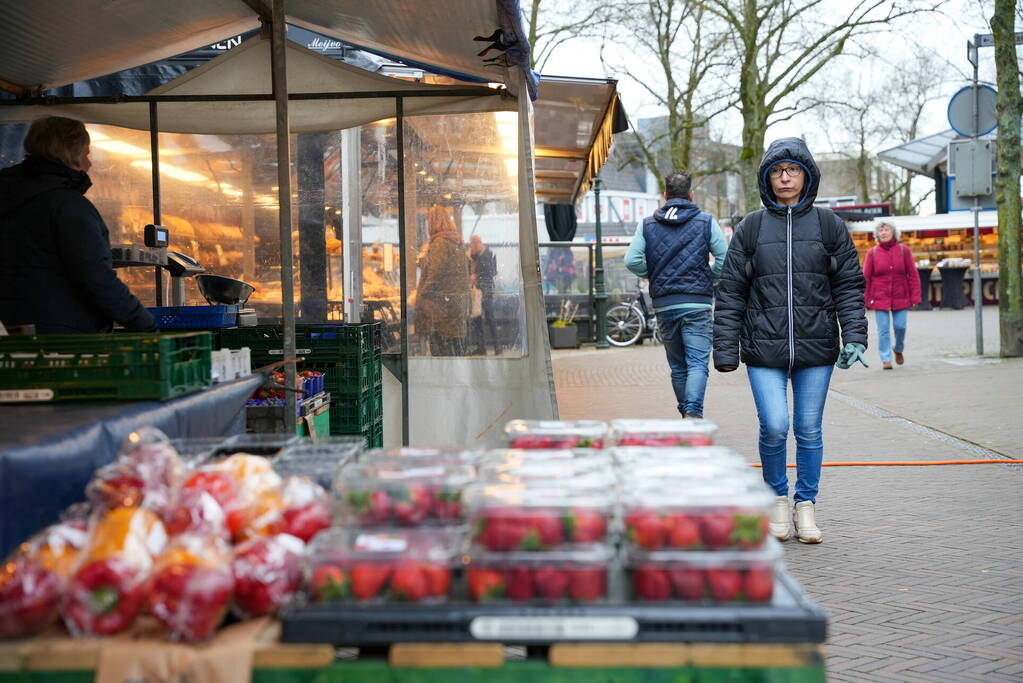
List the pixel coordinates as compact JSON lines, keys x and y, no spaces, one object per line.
{"x":972,"y":163}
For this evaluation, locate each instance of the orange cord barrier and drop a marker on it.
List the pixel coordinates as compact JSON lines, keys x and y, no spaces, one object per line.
{"x":912,"y":463}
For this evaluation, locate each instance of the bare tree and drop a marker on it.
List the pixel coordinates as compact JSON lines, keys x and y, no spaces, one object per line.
{"x":552,"y":22}
{"x":779,"y":46}
{"x":681,"y":44}
{"x":1009,"y":110}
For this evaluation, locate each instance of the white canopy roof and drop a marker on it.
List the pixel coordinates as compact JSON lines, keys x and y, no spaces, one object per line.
{"x":48,"y":44}
{"x":245,"y":70}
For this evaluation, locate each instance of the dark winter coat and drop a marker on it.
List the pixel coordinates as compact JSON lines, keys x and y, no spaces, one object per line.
{"x":892,"y":280}
{"x":787,"y":314}
{"x":442,"y":299}
{"x":55,"y":266}
{"x":677,"y":239}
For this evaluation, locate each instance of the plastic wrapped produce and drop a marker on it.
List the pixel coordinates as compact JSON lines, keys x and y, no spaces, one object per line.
{"x":660,"y":433}
{"x":548,"y":434}
{"x":505,"y":518}
{"x":34,"y":577}
{"x":246,"y":487}
{"x":386,"y":492}
{"x":559,"y":576}
{"x":301,"y":508}
{"x":711,"y":516}
{"x":196,"y":511}
{"x":267,"y":574}
{"x":192,"y":586}
{"x":111,"y":581}
{"x":721,"y":577}
{"x":393,"y":565}
{"x":147,"y":472}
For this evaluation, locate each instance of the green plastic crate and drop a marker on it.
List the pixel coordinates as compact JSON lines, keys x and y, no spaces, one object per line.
{"x":321,"y":423}
{"x":316,"y":343}
{"x":103,"y":367}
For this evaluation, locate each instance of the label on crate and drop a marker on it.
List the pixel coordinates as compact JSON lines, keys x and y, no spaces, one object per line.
{"x":19,"y":395}
{"x":554,"y":628}
{"x":280,"y":352}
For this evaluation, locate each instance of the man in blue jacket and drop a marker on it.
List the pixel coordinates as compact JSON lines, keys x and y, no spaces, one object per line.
{"x":671,"y":249}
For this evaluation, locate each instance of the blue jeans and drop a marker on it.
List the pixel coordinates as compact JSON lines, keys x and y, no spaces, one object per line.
{"x":884,"y":340}
{"x":770,"y":392}
{"x":686,"y":334}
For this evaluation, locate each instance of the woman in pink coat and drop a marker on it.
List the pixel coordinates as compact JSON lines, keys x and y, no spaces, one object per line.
{"x":893,"y":287}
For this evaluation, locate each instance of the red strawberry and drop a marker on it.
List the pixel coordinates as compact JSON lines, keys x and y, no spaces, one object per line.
{"x":330,"y":583}
{"x":646,"y":529}
{"x":700,"y":440}
{"x":520,"y":584}
{"x":370,"y":507}
{"x":687,"y":583}
{"x":725,"y":584}
{"x":584,"y":526}
{"x":587,"y":585}
{"x":651,"y":583}
{"x":550,"y":583}
{"x":716,"y":529}
{"x":409,"y":582}
{"x":307,"y":520}
{"x":759,"y":584}
{"x":684,"y":532}
{"x":500,"y":534}
{"x":750,"y":530}
{"x":447,"y":505}
{"x":548,"y":530}
{"x":438,"y":579}
{"x":413,"y":506}
{"x":485,"y":584}
{"x":368,"y":579}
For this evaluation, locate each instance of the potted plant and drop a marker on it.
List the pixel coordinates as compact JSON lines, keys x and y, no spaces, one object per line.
{"x":563,"y":332}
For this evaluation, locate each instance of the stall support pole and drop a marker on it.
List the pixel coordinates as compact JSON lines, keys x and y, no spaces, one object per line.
{"x":278,"y":67}
{"x":399,"y":128}
{"x":154,"y":150}
{"x":598,"y":272}
{"x":351,"y":224}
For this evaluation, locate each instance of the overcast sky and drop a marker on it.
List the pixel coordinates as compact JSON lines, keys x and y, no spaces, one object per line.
{"x":946,"y":32}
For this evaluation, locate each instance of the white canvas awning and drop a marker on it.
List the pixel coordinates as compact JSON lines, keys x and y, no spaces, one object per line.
{"x":243,"y":70}
{"x":49,"y":44}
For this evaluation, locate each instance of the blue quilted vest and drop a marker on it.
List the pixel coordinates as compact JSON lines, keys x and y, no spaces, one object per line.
{"x":677,"y":247}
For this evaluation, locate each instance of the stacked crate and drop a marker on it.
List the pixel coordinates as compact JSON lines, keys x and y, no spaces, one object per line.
{"x":348,"y":355}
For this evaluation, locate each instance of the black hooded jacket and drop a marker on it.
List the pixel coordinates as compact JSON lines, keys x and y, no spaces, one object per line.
{"x":55,"y":263}
{"x":787,"y":314}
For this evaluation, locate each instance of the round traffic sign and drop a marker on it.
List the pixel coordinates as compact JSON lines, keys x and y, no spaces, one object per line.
{"x":960,"y":111}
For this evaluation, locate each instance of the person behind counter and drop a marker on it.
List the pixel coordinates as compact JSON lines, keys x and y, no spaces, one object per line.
{"x":56,"y":270}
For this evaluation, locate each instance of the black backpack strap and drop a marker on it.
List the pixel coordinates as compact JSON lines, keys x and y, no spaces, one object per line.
{"x":830,"y":237}
{"x":751,"y":233}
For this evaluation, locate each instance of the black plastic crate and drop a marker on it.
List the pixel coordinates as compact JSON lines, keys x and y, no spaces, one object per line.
{"x":790,"y":618}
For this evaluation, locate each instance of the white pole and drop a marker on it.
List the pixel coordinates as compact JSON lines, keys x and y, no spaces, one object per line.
{"x":351,"y":220}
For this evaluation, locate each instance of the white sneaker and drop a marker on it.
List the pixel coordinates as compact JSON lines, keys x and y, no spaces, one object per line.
{"x":807,"y":530}
{"x":780,"y":525}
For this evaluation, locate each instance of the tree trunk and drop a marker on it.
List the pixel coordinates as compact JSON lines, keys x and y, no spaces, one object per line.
{"x":1009,"y":109}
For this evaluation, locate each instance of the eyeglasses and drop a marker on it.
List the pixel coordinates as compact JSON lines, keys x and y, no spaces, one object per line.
{"x":790,"y":171}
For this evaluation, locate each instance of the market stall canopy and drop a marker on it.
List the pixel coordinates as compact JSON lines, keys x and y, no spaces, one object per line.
{"x":242,"y":71}
{"x":922,"y":155}
{"x":575,"y":120}
{"x":44,"y":45}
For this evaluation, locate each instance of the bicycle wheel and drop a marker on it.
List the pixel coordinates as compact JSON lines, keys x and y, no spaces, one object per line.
{"x":625,"y":324}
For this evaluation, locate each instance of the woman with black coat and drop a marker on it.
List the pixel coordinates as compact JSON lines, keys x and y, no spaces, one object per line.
{"x":56,"y":270}
{"x":790,"y":287}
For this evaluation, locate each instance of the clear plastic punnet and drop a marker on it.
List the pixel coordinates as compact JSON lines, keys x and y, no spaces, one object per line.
{"x":713,"y":516}
{"x":721,"y":577}
{"x":549,"y":434}
{"x":679,"y":473}
{"x":506,"y":517}
{"x":319,"y":460}
{"x":388,"y":492}
{"x":412,"y":455}
{"x":627,"y":457}
{"x":596,"y":471}
{"x":661,"y":433}
{"x":575,"y":576}
{"x":383,"y":565}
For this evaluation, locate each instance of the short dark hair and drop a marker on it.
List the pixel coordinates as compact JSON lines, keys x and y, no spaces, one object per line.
{"x":58,"y":139}
{"x":678,"y":185}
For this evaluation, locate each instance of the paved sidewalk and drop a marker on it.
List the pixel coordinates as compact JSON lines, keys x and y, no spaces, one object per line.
{"x":921,"y":569}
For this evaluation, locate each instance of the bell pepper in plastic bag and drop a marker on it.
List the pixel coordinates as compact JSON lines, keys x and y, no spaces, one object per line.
{"x":192,"y":585}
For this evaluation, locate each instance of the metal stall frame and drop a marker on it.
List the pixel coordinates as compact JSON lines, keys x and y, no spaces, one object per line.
{"x":281,"y":97}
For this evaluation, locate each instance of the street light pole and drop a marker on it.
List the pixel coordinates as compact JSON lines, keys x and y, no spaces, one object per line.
{"x":978,"y":295}
{"x":600,"y":293}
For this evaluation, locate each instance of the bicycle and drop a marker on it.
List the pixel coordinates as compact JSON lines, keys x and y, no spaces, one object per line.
{"x":630,"y":322}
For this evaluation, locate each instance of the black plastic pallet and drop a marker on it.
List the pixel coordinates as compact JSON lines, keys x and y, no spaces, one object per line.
{"x":790,"y":618}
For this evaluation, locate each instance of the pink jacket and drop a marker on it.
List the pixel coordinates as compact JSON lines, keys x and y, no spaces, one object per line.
{"x":892,"y":281}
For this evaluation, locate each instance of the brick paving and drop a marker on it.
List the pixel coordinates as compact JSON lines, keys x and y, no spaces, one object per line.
{"x":921,"y":569}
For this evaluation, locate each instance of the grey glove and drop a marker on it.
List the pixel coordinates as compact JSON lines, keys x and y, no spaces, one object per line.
{"x":850,"y":354}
